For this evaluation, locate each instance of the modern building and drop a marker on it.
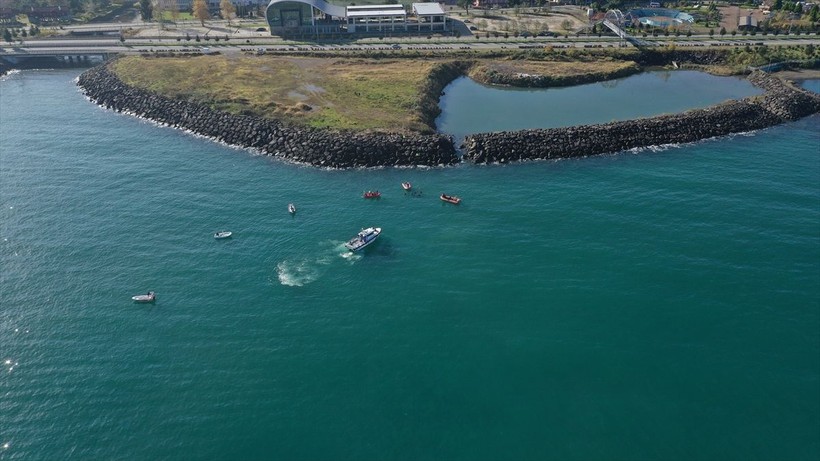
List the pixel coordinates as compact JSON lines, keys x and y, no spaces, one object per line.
{"x":746,"y":22}
{"x":286,"y":17}
{"x":659,"y":17}
{"x":304,"y":16}
{"x":376,"y":18}
{"x":430,"y":16}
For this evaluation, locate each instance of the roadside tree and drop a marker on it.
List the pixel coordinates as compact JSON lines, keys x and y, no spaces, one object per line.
{"x":145,"y":10}
{"x":814,"y":13}
{"x":200,"y":11}
{"x":173,"y":6}
{"x":157,"y":11}
{"x":566,"y":24}
{"x":227,"y":9}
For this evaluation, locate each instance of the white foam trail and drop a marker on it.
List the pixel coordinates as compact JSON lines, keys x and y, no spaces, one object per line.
{"x":346,"y":254}
{"x":9,"y":74}
{"x":296,"y":273}
{"x":350,"y":257}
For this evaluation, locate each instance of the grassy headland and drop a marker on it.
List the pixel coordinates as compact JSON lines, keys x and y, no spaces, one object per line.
{"x":339,"y":93}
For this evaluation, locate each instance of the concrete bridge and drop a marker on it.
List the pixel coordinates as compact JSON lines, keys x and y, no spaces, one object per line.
{"x":613,"y":20}
{"x":35,"y":59}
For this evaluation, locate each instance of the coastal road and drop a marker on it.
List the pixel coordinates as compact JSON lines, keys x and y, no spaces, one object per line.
{"x":111,"y":44}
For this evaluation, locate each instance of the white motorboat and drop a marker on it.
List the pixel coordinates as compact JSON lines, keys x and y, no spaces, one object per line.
{"x":291,"y":208}
{"x":363,"y":238}
{"x":222,"y":234}
{"x":146,"y":298}
{"x":450,"y":199}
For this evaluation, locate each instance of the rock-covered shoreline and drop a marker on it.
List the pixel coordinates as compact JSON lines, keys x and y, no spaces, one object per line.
{"x":323,"y":148}
{"x":780,"y":103}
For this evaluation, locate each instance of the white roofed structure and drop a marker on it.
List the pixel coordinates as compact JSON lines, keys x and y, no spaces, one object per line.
{"x":380,"y":18}
{"x":428,"y":9}
{"x":397,"y":6}
{"x":430,"y":16}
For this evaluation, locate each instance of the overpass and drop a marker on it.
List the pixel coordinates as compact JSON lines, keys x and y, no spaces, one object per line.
{"x":20,"y":58}
{"x":613,"y":19}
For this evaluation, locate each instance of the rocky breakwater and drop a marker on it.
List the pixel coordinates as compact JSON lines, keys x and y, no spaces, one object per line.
{"x":490,"y":76}
{"x":780,"y":103}
{"x":324,"y":148}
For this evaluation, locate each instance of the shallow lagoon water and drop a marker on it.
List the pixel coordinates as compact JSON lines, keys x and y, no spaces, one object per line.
{"x":656,"y":304}
{"x":469,"y":107}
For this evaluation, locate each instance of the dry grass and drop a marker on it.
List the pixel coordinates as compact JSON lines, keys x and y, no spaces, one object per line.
{"x":355,"y":94}
{"x":554,"y":69}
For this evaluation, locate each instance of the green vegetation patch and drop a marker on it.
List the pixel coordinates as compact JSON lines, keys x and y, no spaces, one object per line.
{"x":557,"y":71}
{"x":336,"y":93}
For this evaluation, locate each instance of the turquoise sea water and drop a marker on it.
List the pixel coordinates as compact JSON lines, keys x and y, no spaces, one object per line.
{"x":661,"y":304}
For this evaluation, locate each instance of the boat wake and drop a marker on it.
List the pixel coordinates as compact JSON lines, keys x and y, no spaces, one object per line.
{"x":9,"y":74}
{"x":347,"y":255}
{"x":297,"y":272}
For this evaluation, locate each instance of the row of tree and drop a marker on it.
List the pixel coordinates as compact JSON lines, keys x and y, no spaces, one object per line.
{"x":9,"y":35}
{"x":156,"y":10}
{"x":74,"y":7}
{"x":794,"y":7}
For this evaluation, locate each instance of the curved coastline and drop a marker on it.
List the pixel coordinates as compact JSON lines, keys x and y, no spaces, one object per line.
{"x":780,"y":103}
{"x":317,"y":147}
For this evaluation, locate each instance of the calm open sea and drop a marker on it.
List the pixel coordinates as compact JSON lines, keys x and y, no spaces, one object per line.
{"x":660,"y":304}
